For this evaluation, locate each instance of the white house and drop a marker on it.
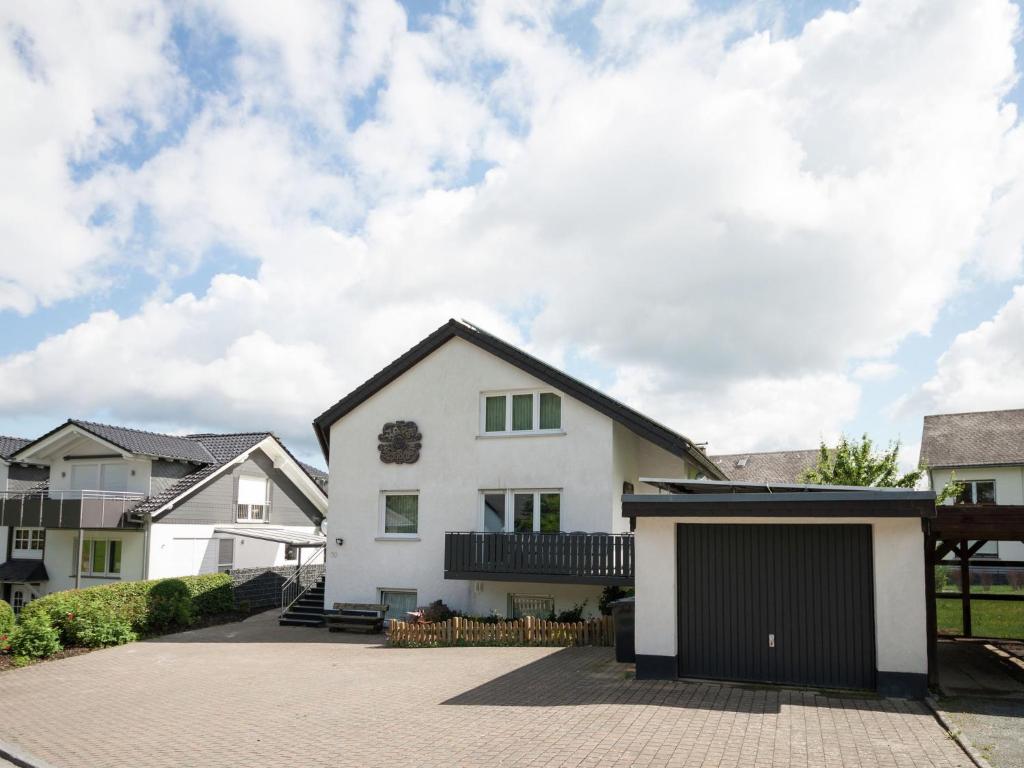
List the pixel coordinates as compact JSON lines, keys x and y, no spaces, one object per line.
{"x":471,"y":472}
{"x":984,"y":451}
{"x":124,"y":504}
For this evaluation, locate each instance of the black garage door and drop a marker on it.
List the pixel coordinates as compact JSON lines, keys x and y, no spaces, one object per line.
{"x":777,"y":603}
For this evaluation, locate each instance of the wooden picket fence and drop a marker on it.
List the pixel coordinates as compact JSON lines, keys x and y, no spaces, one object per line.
{"x":525,"y":631}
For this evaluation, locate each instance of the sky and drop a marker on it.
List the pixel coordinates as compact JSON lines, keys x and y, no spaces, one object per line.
{"x":763,"y":224}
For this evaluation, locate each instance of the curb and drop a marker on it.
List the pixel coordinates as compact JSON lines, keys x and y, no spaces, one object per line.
{"x":20,"y":757}
{"x":955,"y":733}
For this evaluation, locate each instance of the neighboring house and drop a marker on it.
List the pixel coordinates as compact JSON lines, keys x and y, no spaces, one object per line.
{"x":472,"y":472}
{"x":770,"y":467}
{"x":123,"y":504}
{"x":983,"y":450}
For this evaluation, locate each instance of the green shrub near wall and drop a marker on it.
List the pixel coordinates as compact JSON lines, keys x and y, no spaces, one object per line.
{"x":34,"y":638}
{"x":115,"y":613}
{"x":6,"y":620}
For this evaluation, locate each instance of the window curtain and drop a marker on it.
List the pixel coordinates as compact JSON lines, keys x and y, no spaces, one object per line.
{"x":522,"y":411}
{"x":401,"y":514}
{"x":550,"y":411}
{"x":398,"y":604}
{"x":494,"y":414}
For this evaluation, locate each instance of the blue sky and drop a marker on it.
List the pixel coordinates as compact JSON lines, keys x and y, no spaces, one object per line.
{"x":759,"y":225}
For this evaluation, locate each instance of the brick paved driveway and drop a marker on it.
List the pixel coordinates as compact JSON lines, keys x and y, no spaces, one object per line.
{"x":254,"y":694}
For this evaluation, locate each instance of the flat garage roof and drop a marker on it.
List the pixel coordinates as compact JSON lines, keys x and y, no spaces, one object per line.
{"x":716,"y":498}
{"x":280,"y":535}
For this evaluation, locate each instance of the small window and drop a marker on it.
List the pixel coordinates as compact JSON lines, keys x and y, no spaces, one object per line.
{"x":494,"y":416}
{"x":399,"y":603}
{"x":252,"y":499}
{"x":17,"y":601}
{"x":29,"y":539}
{"x":521,"y":413}
{"x":537,"y":606}
{"x":977,"y":492}
{"x":401,"y":514}
{"x":225,"y":555}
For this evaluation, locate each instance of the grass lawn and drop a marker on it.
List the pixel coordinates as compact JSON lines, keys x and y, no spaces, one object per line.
{"x":988,"y":618}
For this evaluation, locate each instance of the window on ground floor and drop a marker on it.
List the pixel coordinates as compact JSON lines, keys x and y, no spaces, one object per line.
{"x":29,"y":540}
{"x":225,"y":555}
{"x":17,"y":600}
{"x":399,"y":602}
{"x":538,"y":606}
{"x":101,"y":557}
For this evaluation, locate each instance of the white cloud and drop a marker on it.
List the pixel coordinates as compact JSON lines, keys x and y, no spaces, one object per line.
{"x":78,"y":80}
{"x":728,"y":220}
{"x":983,"y":369}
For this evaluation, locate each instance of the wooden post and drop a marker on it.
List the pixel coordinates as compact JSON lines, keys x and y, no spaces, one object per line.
{"x":965,"y":587}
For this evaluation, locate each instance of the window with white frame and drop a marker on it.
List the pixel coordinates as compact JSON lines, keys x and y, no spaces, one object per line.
{"x":977,"y":492}
{"x":101,"y":557}
{"x":521,"y":511}
{"x":400,"y":514}
{"x":29,"y":541}
{"x":520,"y":413}
{"x":17,"y":601}
{"x":398,"y":601}
{"x":252,"y":499}
{"x":107,"y":476}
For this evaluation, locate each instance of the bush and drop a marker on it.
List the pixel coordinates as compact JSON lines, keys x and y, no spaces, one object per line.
{"x":573,"y":614}
{"x":35,"y":638}
{"x":112,"y":611}
{"x":6,"y":618}
{"x":610,"y":595}
{"x":170,"y":605}
{"x":99,"y":627}
{"x":437,"y":611}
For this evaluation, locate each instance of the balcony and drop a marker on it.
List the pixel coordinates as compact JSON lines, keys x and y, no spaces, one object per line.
{"x":568,"y":558}
{"x":69,"y":509}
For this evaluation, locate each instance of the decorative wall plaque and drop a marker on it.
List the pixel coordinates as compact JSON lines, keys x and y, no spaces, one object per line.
{"x":400,"y":442}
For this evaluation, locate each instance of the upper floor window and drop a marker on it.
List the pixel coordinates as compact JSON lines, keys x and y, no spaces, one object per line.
{"x":977,"y":492}
{"x":99,"y":477}
{"x":29,"y":540}
{"x":520,"y":412}
{"x":252,"y":500}
{"x":400,"y":515}
{"x":522,"y":511}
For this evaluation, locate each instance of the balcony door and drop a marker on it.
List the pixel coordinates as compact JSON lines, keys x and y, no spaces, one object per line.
{"x":521,"y":511}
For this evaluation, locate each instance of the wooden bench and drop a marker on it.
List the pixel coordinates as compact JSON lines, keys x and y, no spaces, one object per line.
{"x":356,"y":617}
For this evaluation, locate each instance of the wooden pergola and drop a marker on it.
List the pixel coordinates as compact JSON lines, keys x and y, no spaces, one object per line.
{"x":963,"y":530}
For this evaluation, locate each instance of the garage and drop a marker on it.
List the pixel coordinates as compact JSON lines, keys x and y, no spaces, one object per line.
{"x":777,"y":603}
{"x":805,"y":585}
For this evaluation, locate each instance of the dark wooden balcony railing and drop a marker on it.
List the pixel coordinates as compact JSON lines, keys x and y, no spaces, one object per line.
{"x":571,"y":558}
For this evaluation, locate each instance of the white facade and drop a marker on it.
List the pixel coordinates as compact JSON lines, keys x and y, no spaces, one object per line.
{"x":899,"y":589}
{"x":586,"y":461}
{"x":1009,"y":489}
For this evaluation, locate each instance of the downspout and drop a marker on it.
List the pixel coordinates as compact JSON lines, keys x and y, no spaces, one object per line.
{"x":147,"y":524}
{"x":78,"y":562}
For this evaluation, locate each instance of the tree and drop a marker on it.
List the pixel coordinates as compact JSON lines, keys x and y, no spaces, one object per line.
{"x":857,"y":463}
{"x":854,"y":462}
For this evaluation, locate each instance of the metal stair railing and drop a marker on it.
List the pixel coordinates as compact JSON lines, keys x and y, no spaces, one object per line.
{"x":300,"y":582}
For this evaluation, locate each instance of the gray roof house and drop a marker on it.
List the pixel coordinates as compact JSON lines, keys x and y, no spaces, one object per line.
{"x":770,"y":467}
{"x":984,"y":452}
{"x":88,"y":503}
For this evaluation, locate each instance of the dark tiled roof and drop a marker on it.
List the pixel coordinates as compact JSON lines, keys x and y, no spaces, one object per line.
{"x":771,"y":467}
{"x":149,"y":443}
{"x":9,"y":445}
{"x":317,"y":474}
{"x":973,"y":439}
{"x":635,"y":421}
{"x":223,"y":448}
{"x":19,"y":571}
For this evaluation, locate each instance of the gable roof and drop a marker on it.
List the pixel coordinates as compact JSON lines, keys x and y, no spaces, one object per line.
{"x":11,"y":445}
{"x":767,"y":467}
{"x":222,"y":448}
{"x":136,"y":441}
{"x":980,"y":438}
{"x":636,"y":422}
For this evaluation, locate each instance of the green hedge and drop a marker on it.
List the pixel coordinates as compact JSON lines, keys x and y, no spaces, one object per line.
{"x":6,"y":619}
{"x":112,"y":613}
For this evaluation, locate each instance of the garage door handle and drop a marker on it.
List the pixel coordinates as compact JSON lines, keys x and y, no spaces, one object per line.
{"x":771,"y":641}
